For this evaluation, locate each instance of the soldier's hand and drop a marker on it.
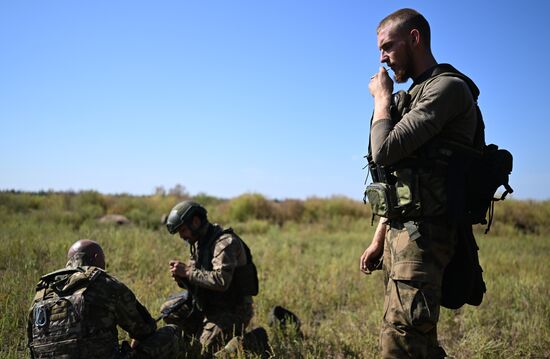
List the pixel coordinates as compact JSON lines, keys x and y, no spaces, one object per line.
{"x":370,"y":260}
{"x":178,"y":269}
{"x":372,"y":256}
{"x":381,"y":85}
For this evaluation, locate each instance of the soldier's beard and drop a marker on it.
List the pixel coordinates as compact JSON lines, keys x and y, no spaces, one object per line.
{"x":404,"y":72}
{"x":197,"y":233}
{"x":400,"y":75}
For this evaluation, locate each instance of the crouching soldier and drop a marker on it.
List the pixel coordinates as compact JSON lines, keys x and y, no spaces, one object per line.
{"x":220,"y":276}
{"x":76,"y":310}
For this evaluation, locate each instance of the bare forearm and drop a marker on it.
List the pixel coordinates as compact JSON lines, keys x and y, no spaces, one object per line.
{"x":370,"y":259}
{"x":380,"y":233}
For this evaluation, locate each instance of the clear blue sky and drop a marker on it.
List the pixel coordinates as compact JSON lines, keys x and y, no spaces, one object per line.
{"x":228,"y":97}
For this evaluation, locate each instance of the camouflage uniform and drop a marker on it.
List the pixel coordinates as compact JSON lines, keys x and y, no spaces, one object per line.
{"x":220,"y":312}
{"x":417,"y":252}
{"x":86,"y":305}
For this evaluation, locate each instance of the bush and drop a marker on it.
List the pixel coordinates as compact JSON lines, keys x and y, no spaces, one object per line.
{"x":250,"y":206}
{"x":511,"y":217}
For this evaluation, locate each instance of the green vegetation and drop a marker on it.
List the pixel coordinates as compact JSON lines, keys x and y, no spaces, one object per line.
{"x":307,"y":253}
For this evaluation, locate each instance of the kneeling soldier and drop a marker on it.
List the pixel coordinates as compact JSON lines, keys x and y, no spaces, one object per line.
{"x":76,"y":310}
{"x":220,"y":276}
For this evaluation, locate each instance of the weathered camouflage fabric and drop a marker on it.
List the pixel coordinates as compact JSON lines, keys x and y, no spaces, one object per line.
{"x":219,"y":327}
{"x":254,"y":343}
{"x":76,"y":311}
{"x":216,"y":257}
{"x":415,"y":255}
{"x":213,"y":328}
{"x":164,"y":343}
{"x":220,"y":312}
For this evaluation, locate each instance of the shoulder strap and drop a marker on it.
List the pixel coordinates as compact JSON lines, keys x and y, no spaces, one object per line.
{"x":64,"y":271}
{"x":246,"y":249}
{"x":448,"y":70}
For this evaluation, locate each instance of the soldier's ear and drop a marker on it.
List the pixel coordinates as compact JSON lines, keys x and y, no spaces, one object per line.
{"x":415,"y":37}
{"x":99,"y":260}
{"x":196,"y":221}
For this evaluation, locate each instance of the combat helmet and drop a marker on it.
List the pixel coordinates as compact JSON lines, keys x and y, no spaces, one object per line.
{"x":182,"y":213}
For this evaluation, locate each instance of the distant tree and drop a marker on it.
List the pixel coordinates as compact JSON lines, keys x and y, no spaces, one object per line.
{"x":178,"y":191}
{"x":160,"y":191}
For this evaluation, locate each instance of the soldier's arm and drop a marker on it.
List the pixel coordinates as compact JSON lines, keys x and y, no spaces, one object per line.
{"x":381,"y":87}
{"x":372,"y":255}
{"x":131,"y":315}
{"x":228,"y":254}
{"x":443,"y":100}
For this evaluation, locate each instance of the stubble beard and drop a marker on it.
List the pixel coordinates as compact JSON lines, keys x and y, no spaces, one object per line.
{"x":403,"y":73}
{"x":400,"y":76}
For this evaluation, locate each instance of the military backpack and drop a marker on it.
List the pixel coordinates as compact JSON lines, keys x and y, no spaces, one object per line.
{"x":57,"y":317}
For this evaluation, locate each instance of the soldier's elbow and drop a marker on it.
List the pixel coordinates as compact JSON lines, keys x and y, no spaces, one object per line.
{"x":381,"y":158}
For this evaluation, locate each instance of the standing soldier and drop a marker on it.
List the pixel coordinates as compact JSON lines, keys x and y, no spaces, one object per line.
{"x":220,"y":276}
{"x":416,"y":235}
{"x":76,"y":311}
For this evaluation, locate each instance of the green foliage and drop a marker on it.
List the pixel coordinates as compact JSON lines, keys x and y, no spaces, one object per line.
{"x":250,"y":206}
{"x":526,"y":217}
{"x":307,"y":255}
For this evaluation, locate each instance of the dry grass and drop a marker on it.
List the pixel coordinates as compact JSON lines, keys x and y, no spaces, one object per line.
{"x":307,"y":264}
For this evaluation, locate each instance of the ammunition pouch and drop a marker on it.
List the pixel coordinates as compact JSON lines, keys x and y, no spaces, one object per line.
{"x":415,"y":189}
{"x":382,"y":199}
{"x":397,"y":200}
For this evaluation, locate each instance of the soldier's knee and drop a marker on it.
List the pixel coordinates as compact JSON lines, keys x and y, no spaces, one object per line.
{"x":212,"y":338}
{"x":166,"y":342}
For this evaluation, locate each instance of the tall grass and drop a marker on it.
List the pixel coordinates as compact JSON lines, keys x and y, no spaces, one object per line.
{"x":307,"y":255}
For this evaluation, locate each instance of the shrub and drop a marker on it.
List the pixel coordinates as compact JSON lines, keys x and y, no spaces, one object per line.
{"x":250,"y":206}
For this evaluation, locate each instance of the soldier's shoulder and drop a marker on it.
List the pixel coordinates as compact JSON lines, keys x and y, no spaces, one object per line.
{"x":449,"y":81}
{"x":109,"y":290}
{"x":445,"y":86}
{"x":227,"y":236}
{"x":227,"y":239}
{"x":109,"y":282}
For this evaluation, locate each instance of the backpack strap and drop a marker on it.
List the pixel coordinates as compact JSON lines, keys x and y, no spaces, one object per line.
{"x":479,"y":135}
{"x":61,"y":272}
{"x":246,"y":249}
{"x":249,"y":269}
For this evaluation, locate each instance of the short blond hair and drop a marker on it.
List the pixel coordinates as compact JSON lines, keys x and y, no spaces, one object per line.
{"x":407,"y":19}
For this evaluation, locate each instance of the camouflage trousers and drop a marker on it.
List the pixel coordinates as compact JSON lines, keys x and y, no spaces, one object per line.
{"x":213,"y":328}
{"x":415,"y":256}
{"x":165,"y":343}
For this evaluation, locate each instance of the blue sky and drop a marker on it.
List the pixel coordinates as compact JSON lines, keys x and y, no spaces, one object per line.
{"x":228,"y":97}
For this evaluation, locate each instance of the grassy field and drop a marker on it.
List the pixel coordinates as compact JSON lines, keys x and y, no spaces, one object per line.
{"x":307,"y":254}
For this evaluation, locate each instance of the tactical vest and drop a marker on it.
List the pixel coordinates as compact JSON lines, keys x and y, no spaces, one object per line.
{"x":428,"y":183}
{"x":58,"y":319}
{"x":244,"y":282}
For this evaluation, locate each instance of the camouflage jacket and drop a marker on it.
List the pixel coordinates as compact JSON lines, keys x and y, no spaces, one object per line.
{"x":441,"y":110}
{"x":215,"y":262}
{"x":440,"y":107}
{"x":75,"y":314}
